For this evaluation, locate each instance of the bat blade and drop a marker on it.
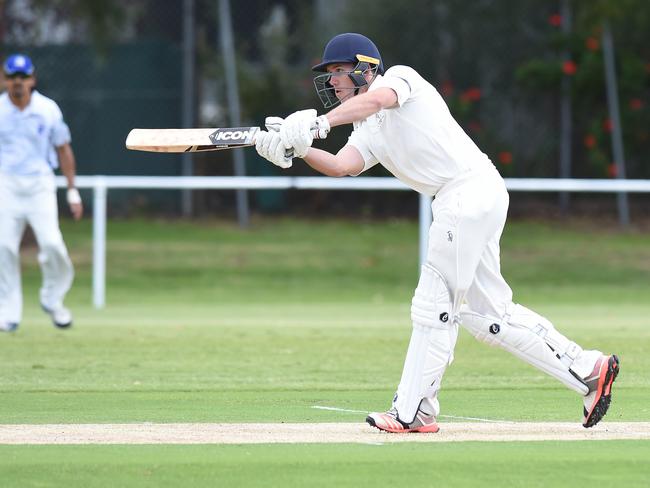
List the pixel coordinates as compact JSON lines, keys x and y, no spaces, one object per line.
{"x":190,"y":140}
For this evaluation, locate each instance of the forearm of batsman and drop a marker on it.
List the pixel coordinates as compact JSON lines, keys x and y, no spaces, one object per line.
{"x":362,"y":106}
{"x":67,"y":163}
{"x":348,"y":161}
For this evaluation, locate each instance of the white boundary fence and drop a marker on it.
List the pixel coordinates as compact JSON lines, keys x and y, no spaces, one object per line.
{"x":101,"y":184}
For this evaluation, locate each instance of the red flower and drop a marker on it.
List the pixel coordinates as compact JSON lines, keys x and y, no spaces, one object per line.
{"x":592,"y":43}
{"x":589,"y":141}
{"x":555,"y":20}
{"x":447,"y":88}
{"x":471,"y":95}
{"x":636,"y":104}
{"x":505,"y":157}
{"x":612,"y":170}
{"x":569,"y":67}
{"x":608,"y":125}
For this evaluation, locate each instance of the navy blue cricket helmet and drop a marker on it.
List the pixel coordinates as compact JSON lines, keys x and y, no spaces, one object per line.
{"x":352,"y":48}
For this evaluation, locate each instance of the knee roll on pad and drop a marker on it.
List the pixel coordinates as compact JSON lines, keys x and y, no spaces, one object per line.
{"x":431,"y":304}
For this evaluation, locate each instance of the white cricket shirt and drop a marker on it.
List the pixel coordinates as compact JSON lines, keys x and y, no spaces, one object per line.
{"x":418,"y":141}
{"x":28,"y":137}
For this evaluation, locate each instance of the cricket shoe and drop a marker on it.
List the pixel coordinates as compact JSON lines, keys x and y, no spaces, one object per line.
{"x":597,"y":401}
{"x":61,"y":316}
{"x":8,"y":326}
{"x":390,"y":422}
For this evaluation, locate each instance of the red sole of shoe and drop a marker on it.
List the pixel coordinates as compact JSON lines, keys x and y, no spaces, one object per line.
{"x":601,"y":402}
{"x":431,"y":428}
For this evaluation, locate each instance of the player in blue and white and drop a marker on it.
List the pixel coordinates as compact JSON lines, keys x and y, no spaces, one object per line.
{"x":34,"y":141}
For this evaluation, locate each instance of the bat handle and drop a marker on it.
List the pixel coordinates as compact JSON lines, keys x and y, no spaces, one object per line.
{"x":319,"y":132}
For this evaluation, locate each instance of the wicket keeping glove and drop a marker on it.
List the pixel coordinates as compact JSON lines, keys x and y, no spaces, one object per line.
{"x":269,"y":146}
{"x":299,"y":129}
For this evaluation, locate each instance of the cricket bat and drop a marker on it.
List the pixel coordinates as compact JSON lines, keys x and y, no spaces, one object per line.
{"x":197,"y":140}
{"x":190,"y":140}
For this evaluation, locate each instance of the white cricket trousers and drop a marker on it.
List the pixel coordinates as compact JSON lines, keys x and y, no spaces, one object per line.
{"x":31,"y":200}
{"x":469,"y":215}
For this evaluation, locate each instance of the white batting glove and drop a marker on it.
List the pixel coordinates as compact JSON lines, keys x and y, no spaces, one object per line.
{"x":300,"y":128}
{"x":269,"y":146}
{"x":273,"y":124}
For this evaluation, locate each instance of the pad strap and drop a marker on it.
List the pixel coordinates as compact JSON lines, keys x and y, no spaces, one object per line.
{"x":530,"y":337}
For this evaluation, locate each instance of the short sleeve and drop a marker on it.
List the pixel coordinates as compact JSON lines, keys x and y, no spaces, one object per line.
{"x":60,"y":130}
{"x":396,"y":78}
{"x":60,"y":133}
{"x":359,"y":140}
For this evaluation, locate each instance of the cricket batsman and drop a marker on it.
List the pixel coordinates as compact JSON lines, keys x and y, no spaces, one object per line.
{"x":401,"y":122}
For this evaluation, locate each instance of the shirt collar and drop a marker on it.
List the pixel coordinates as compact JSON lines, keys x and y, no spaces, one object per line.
{"x":28,"y":109}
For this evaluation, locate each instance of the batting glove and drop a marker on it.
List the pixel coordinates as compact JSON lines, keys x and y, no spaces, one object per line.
{"x":269,"y":146}
{"x":273,"y":124}
{"x":300,"y":128}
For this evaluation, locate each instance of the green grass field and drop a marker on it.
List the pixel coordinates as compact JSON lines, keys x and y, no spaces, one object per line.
{"x":206,"y":322}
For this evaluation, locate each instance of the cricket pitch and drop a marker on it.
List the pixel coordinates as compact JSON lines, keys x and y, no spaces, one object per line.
{"x":212,"y":433}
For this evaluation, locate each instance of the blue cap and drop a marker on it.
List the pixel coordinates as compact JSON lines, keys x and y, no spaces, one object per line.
{"x":18,"y":63}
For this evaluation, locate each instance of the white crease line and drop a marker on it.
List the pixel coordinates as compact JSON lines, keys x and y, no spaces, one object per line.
{"x":478,"y":419}
{"x":336,"y":409}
